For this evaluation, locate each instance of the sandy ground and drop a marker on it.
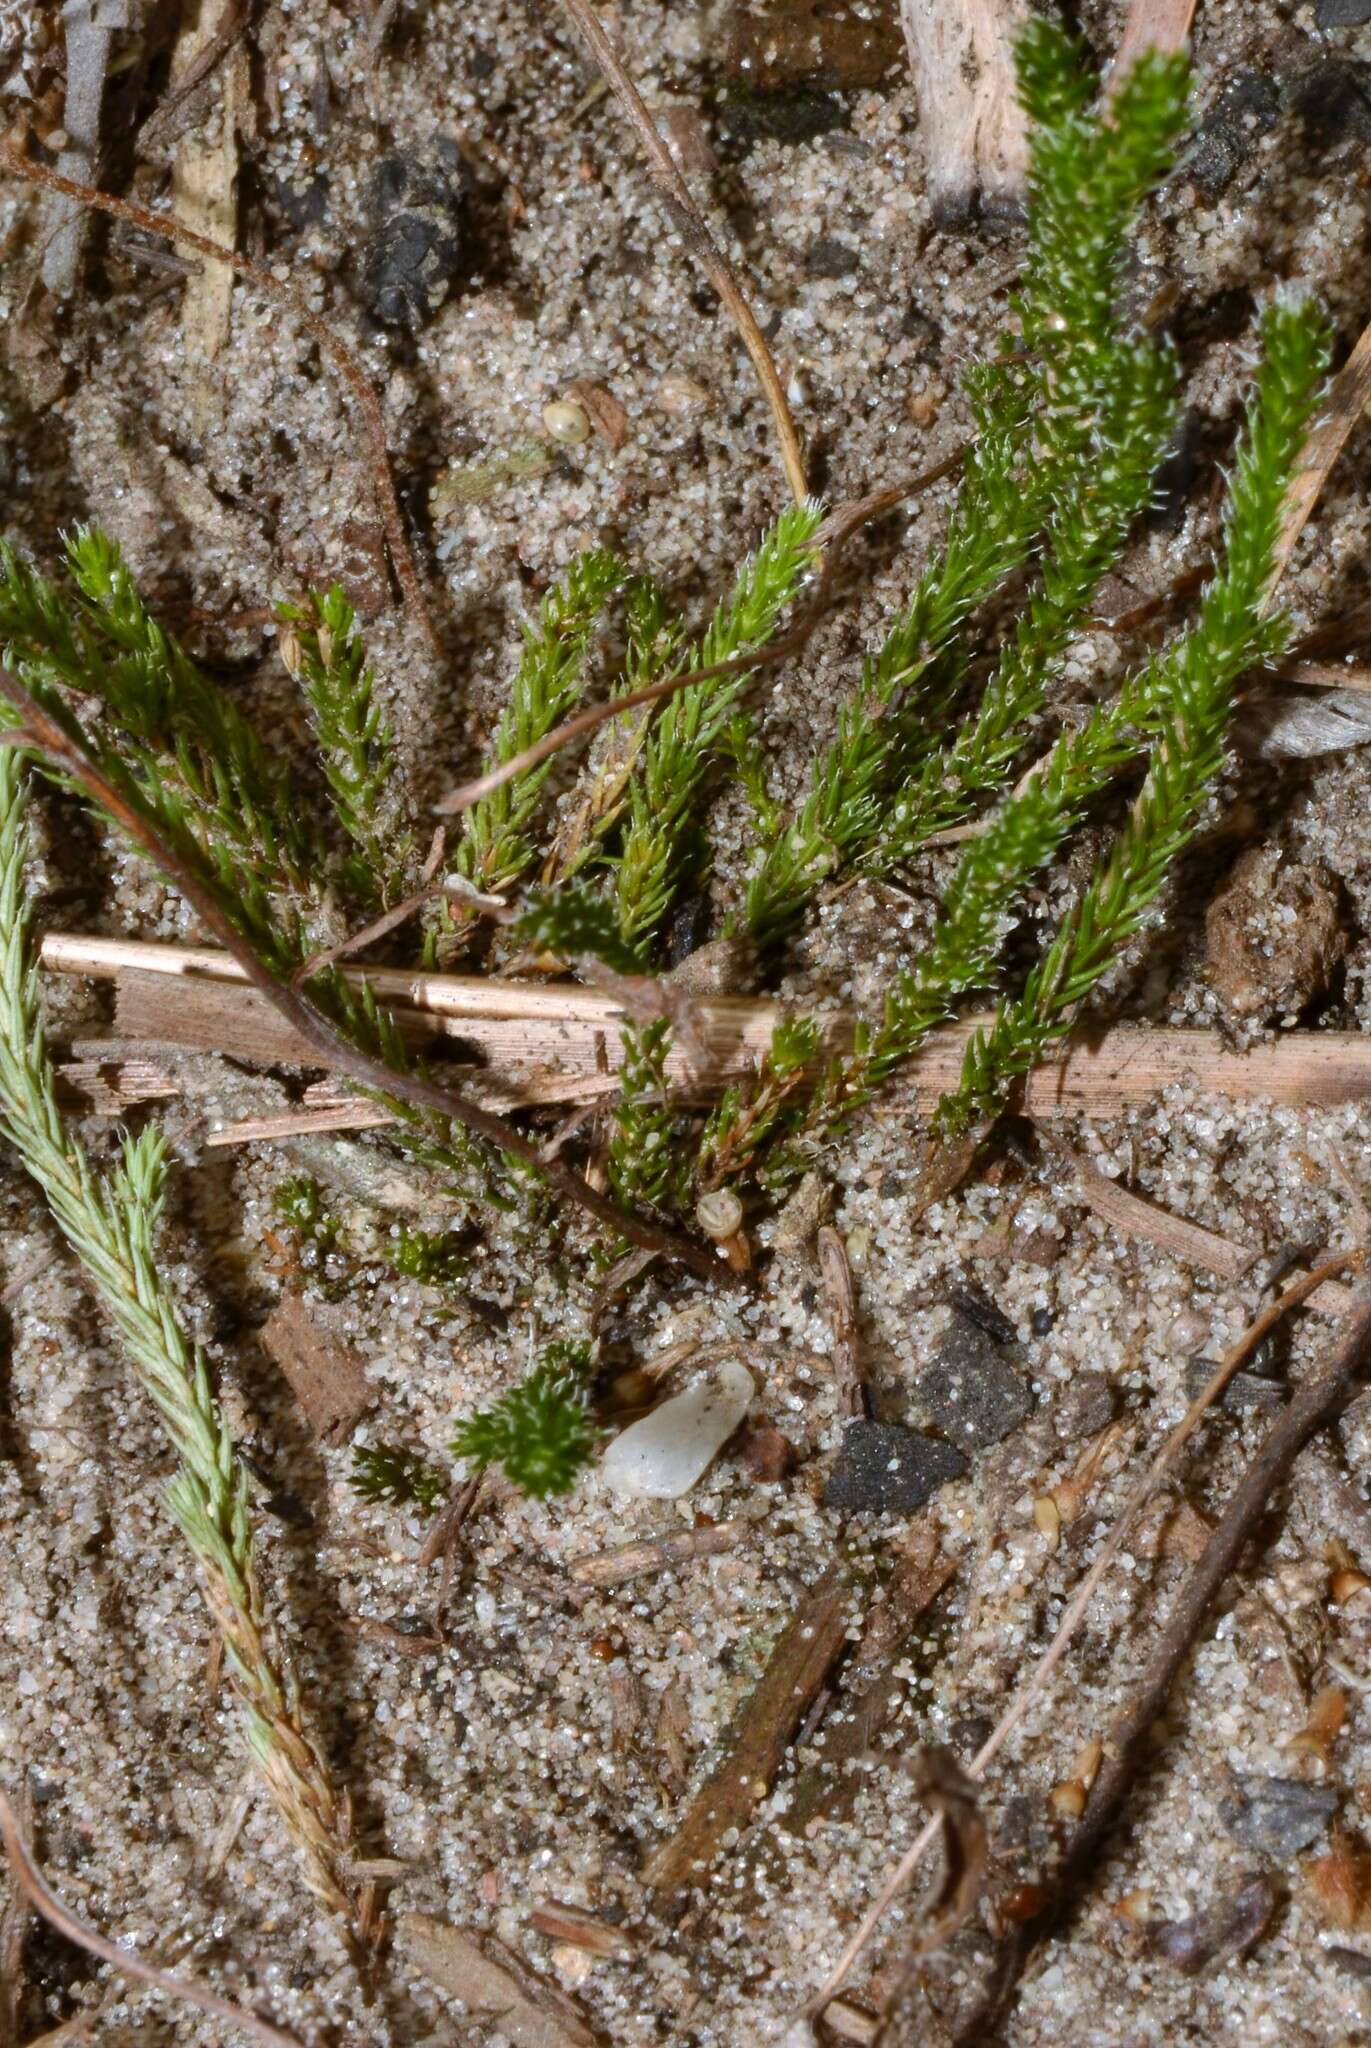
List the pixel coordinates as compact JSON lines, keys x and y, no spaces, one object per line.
{"x":525,"y":1759}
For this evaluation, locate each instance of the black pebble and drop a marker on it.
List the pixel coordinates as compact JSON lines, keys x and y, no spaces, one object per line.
{"x":747,"y":118}
{"x":1246,"y":1391}
{"x":1279,"y":1816}
{"x":1333,"y":100}
{"x":416,"y":239}
{"x":1342,"y":13}
{"x":971,"y":1300}
{"x":883,"y":1468}
{"x":1245,"y":109}
{"x":970,"y":1389}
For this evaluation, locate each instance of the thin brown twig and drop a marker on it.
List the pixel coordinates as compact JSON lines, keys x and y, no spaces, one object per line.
{"x":691,"y":222}
{"x":187,"y":1990}
{"x":45,"y":736}
{"x":835,"y":530}
{"x":349,"y":369}
{"x":1314,"y":1402}
{"x":900,"y":1875}
{"x":389,"y":920}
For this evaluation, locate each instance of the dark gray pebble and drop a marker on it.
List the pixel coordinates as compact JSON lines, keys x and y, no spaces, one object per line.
{"x":416,"y":242}
{"x":883,"y":1468}
{"x":1279,"y":1816}
{"x":1342,"y":13}
{"x":1247,"y":106}
{"x":970,"y":1389}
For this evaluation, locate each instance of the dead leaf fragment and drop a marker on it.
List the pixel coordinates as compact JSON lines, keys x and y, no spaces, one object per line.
{"x":602,"y":408}
{"x":323,"y":1369}
{"x":456,"y":1962}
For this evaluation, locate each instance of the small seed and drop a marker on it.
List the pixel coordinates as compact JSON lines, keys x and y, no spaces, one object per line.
{"x":1088,"y":1763}
{"x":719,"y":1215}
{"x":1023,"y":1901}
{"x":1346,"y":1585}
{"x":291,"y":652}
{"x":1067,"y":1799}
{"x":1340,"y":1883}
{"x":566,"y":421}
{"x":679,"y":393}
{"x":1327,"y":1712}
{"x":1047,"y":1515}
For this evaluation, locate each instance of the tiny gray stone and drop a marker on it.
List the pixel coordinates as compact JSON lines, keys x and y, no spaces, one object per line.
{"x":829,"y":257}
{"x":970,"y":1390}
{"x":884,"y":1468}
{"x":1342,"y":13}
{"x":1350,"y":1961}
{"x":1279,"y":1816}
{"x":1333,"y":101}
{"x":1246,"y":1393}
{"x":1084,"y":1407}
{"x":1245,"y":109}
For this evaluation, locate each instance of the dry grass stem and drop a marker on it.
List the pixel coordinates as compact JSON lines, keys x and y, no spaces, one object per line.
{"x":44,"y":736}
{"x":691,"y":222}
{"x":900,"y":1875}
{"x":182,"y":1990}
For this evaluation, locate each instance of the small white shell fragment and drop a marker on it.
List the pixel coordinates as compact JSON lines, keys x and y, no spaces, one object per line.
{"x":661,"y":1457}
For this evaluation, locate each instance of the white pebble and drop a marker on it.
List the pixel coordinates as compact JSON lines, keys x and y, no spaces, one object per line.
{"x":661,"y":1457}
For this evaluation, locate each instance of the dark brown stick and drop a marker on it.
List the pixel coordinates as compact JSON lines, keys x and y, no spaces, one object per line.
{"x":691,"y":222}
{"x":188,"y":1990}
{"x":836,"y":529}
{"x":1314,"y":1403}
{"x":799,"y":1664}
{"x":45,"y":736}
{"x":346,"y":364}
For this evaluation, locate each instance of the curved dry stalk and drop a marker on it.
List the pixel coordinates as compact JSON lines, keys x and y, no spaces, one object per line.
{"x":369,"y":405}
{"x":692,"y":224}
{"x":1314,"y":1402}
{"x":186,"y":1990}
{"x":39,"y":732}
{"x":1347,"y":400}
{"x":900,"y":1875}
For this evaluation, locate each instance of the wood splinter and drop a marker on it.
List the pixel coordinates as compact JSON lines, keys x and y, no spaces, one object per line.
{"x":544,"y":1043}
{"x":657,"y":1554}
{"x":806,"y":1652}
